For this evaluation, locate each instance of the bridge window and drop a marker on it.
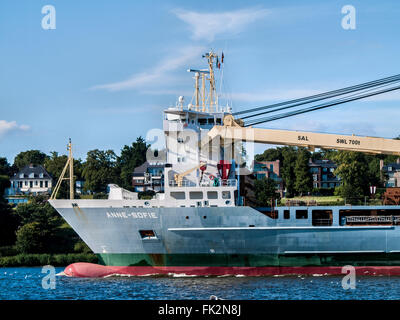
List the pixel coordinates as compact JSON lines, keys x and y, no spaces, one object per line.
{"x":178,"y":195}
{"x":286,"y":214}
{"x":301,"y":214}
{"x":196,"y":195}
{"x":226,"y":194}
{"x":212,"y":195}
{"x":322,"y":217}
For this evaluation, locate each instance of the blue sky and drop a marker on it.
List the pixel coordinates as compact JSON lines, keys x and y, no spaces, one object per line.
{"x":107,"y":71}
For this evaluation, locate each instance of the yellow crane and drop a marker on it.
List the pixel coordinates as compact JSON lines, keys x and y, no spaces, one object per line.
{"x":178,"y":177}
{"x":233,"y":129}
{"x":242,"y":128}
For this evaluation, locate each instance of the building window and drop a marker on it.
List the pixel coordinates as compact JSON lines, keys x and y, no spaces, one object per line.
{"x":46,"y":184}
{"x":30,"y":184}
{"x":36,"y":183}
{"x":26,"y":183}
{"x":41,"y":184}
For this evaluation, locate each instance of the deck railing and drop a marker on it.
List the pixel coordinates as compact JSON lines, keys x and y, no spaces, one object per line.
{"x":372,"y":219}
{"x":221,"y":183}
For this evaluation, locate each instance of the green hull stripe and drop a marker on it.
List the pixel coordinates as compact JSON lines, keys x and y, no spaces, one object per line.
{"x":250,"y":260}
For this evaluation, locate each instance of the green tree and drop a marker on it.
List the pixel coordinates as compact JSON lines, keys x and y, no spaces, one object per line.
{"x":8,"y":221}
{"x":265,"y":191}
{"x":303,"y":178}
{"x":54,"y":166}
{"x":352,"y":168}
{"x":5,"y":168}
{"x":131,"y":157}
{"x":289,"y":155}
{"x":42,"y":229}
{"x":32,"y":238}
{"x":99,"y":170}
{"x":25,"y":158}
{"x":38,"y":210}
{"x":271,"y":154}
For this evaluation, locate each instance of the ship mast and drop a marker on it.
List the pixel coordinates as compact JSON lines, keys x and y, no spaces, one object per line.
{"x":213,"y":93}
{"x":212,"y":97}
{"x":70,"y":164}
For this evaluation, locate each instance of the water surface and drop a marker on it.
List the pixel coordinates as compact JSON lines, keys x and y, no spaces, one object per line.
{"x":26,"y":283}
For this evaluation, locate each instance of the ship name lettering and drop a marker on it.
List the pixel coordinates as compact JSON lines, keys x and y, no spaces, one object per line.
{"x":135,"y":215}
{"x":144,"y":215}
{"x":117,"y":215}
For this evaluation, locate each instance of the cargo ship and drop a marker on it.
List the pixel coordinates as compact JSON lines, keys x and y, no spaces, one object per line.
{"x":200,"y":224}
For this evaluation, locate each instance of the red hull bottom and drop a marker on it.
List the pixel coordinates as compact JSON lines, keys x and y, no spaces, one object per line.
{"x":90,"y":270}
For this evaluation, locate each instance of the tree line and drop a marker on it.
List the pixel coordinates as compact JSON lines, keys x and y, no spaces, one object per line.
{"x":357,"y":171}
{"x":100,"y":168}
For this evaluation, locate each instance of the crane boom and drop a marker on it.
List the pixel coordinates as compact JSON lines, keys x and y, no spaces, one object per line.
{"x":178,"y":177}
{"x":310,"y":140}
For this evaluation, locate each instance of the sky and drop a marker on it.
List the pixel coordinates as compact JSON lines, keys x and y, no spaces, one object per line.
{"x":103,"y":76}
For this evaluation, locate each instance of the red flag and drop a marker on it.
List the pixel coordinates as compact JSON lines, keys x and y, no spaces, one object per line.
{"x":222,"y":57}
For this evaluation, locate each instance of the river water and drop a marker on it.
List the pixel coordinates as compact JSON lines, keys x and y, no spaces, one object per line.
{"x":27,"y":283}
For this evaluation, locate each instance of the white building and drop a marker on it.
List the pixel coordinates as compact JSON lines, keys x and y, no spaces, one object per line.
{"x":32,"y":179}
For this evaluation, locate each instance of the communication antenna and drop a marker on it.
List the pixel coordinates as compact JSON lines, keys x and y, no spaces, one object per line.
{"x":70,"y":163}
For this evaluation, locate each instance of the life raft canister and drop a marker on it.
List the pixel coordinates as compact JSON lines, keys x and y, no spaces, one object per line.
{"x":211,"y":177}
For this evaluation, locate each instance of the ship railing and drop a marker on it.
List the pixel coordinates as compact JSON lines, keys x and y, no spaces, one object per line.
{"x":322,"y":222}
{"x":185,"y":183}
{"x":220,"y":183}
{"x":373,"y":219}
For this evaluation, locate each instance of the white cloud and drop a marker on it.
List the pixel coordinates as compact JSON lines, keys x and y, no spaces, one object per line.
{"x":6,"y":127}
{"x":208,"y":25}
{"x":159,"y":73}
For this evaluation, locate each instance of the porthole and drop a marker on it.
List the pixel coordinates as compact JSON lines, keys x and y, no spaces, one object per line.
{"x":146,"y":203}
{"x":187,"y":217}
{"x":227,"y":202}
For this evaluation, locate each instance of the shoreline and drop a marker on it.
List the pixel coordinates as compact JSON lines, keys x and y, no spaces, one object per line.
{"x":42,"y":259}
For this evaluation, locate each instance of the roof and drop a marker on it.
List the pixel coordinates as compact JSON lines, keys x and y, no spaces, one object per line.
{"x":322,"y":163}
{"x":28,"y":170}
{"x":145,"y":166}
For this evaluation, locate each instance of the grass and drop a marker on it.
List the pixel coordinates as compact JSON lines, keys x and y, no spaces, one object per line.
{"x":318,"y":199}
{"x":330,"y":200}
